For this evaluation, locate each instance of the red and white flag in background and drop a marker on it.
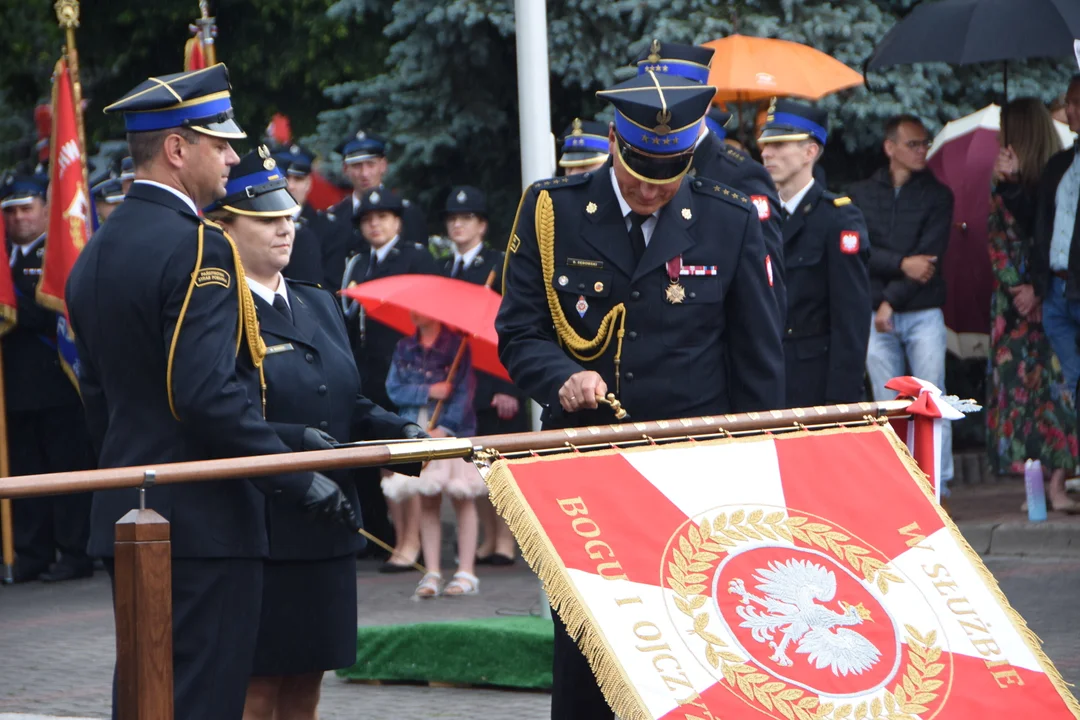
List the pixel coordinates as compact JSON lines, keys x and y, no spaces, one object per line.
{"x":804,"y":576}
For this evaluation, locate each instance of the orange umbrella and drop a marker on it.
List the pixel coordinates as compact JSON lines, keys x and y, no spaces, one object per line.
{"x":747,"y":69}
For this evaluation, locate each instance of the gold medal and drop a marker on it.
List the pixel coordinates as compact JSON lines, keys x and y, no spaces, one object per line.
{"x":675,"y":293}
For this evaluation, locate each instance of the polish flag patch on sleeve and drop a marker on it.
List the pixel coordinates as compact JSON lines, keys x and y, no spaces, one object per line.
{"x":761,"y":203}
{"x":849,"y":242}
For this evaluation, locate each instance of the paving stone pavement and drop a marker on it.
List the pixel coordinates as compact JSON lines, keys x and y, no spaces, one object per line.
{"x":57,"y":644}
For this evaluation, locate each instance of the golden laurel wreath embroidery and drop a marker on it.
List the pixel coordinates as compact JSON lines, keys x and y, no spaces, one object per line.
{"x":696,"y":554}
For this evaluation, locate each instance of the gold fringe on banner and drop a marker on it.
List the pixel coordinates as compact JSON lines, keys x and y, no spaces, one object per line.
{"x":618,"y":691}
{"x":1033,"y":641}
{"x":544,"y":560}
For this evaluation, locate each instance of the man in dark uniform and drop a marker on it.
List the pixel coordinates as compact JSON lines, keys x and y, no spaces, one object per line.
{"x":364,"y":163}
{"x":642,"y":282}
{"x":305,"y":262}
{"x":716,"y":160}
{"x":386,"y":253}
{"x":168,"y":373}
{"x":827,"y":256}
{"x":45,"y":424}
{"x":108,"y":194}
{"x":127,"y":173}
{"x":584,"y":147}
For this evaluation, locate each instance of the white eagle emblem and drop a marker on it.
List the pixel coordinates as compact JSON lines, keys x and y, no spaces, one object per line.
{"x":792,"y":593}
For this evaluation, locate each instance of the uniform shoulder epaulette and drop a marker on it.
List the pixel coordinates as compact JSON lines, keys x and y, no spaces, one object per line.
{"x":715,"y":189}
{"x":308,"y":283}
{"x":734,"y":154}
{"x":841,"y":201}
{"x":561,"y":182}
{"x":211,"y":223}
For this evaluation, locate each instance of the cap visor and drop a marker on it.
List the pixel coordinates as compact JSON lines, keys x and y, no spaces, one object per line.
{"x":276,"y":203}
{"x":783,"y":134}
{"x":353,"y":159}
{"x":16,"y":201}
{"x":578,"y":159}
{"x":654,"y":169}
{"x":228,"y":130}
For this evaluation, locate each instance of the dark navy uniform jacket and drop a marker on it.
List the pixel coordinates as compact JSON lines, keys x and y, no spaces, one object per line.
{"x":312,"y":381}
{"x":125,"y":296}
{"x":715,"y":159}
{"x":374,"y":347}
{"x":719,"y":351}
{"x":33,"y":376}
{"x":828,"y":319}
{"x":305,"y":263}
{"x":487,"y":419}
{"x":346,"y":240}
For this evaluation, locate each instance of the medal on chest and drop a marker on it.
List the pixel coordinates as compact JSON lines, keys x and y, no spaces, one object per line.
{"x":675,"y":293}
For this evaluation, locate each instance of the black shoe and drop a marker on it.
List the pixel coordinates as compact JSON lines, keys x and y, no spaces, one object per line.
{"x":390,"y":568}
{"x":500,"y":560}
{"x":61,"y":571}
{"x":26,"y":571}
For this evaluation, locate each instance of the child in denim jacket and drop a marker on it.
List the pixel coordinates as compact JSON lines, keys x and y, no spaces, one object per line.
{"x":417,"y":382}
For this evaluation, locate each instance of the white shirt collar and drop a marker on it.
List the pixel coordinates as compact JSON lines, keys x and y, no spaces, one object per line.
{"x":187,"y":200}
{"x":623,"y":205}
{"x":24,"y":250}
{"x":701,"y":137}
{"x":266,"y":293}
{"x":793,"y":204}
{"x":469,"y":256}
{"x":382,"y":252}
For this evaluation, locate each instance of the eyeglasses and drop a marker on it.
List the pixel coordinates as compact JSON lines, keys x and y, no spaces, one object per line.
{"x":919,"y":144}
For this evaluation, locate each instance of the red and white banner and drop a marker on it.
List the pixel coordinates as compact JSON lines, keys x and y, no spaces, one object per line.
{"x":69,"y":199}
{"x":803,"y":576}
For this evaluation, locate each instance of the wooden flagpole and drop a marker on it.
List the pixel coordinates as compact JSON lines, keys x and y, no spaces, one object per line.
{"x":8,"y":529}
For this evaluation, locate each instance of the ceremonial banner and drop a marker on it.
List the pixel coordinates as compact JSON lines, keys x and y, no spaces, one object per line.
{"x":69,"y":201}
{"x":804,"y":575}
{"x":8,"y":303}
{"x":193,"y":53}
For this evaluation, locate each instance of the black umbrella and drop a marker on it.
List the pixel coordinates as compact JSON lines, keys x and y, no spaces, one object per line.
{"x":960,"y":32}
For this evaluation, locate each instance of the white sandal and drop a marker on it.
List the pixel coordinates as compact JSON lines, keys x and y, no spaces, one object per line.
{"x":429,"y":586}
{"x":463,"y":583}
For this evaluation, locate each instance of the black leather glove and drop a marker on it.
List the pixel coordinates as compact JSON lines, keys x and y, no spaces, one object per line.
{"x":325,"y":501}
{"x":412,"y":431}
{"x":316,"y":439}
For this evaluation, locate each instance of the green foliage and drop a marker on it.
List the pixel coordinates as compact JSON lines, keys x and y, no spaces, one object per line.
{"x":447,"y":97}
{"x":281,"y":57}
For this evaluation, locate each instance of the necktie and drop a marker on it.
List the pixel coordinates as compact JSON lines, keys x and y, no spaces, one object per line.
{"x":373,"y":263}
{"x":283,"y":307}
{"x":637,"y":235}
{"x":457,"y":267}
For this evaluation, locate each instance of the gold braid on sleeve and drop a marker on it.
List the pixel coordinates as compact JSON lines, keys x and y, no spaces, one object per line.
{"x":613,"y":324}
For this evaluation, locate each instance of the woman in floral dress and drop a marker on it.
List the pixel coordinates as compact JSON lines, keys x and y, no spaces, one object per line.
{"x":1031,"y":413}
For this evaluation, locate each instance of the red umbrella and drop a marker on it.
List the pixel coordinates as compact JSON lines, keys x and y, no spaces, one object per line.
{"x":467,"y":308}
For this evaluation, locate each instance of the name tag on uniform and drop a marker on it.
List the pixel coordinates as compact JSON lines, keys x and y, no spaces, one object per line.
{"x":284,"y":347}
{"x":578,"y":262}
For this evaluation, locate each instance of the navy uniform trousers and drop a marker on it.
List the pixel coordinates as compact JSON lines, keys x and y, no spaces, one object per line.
{"x":717,"y":352}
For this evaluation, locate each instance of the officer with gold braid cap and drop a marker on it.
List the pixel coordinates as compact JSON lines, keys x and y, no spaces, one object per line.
{"x":584,"y":147}
{"x":170,"y":360}
{"x":640,"y":281}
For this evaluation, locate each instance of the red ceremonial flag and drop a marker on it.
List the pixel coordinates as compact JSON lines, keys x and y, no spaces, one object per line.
{"x":798,"y":576}
{"x":69,"y":202}
{"x":193,"y":54}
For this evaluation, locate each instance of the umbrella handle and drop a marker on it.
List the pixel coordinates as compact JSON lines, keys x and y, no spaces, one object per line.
{"x":433,"y":422}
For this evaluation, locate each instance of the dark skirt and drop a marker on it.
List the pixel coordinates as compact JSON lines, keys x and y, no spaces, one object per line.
{"x":308,"y":621}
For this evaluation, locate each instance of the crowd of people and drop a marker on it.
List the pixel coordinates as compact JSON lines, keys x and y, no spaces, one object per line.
{"x":663,"y":264}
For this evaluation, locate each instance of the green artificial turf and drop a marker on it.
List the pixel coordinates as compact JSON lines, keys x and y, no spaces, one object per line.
{"x":505,"y":651}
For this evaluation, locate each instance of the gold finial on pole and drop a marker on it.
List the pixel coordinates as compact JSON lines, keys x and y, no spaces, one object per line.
{"x":208,"y":31}
{"x":67,"y":15}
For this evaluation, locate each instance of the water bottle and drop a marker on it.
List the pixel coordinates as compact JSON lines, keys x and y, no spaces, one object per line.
{"x":1036,"y":493}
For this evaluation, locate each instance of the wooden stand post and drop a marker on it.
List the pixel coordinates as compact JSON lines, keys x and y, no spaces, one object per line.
{"x":143,"y":601}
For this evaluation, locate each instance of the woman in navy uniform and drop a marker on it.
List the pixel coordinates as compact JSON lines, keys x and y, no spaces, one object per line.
{"x":386,"y":253}
{"x":308,"y":619}
{"x":640,"y":281}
